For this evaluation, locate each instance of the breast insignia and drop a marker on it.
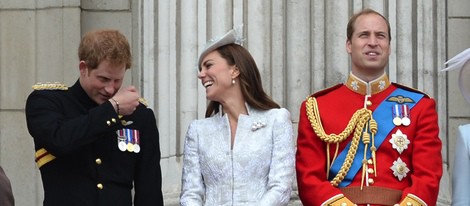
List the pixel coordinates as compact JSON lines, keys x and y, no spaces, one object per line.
{"x":50,"y":86}
{"x":400,"y":99}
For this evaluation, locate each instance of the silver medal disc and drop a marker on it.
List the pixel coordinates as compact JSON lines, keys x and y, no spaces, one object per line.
{"x":136,"y":148}
{"x":122,"y":146}
{"x":397,"y":121}
{"x":406,"y":121}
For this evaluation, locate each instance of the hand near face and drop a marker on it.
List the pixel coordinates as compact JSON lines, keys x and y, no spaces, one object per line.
{"x":128,"y":100}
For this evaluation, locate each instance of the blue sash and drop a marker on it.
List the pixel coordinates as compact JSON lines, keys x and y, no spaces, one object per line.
{"x":383,"y":115}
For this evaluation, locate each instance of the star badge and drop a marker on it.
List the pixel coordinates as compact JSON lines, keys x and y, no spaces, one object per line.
{"x":381,"y":84}
{"x":355,"y":85}
{"x":399,"y":169}
{"x":399,"y":141}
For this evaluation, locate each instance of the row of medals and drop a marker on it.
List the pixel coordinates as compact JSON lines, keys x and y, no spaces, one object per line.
{"x":401,"y":115}
{"x":129,"y":146}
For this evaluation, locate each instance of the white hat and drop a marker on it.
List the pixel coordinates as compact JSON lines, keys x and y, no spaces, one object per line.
{"x":232,"y":36}
{"x":461,"y":61}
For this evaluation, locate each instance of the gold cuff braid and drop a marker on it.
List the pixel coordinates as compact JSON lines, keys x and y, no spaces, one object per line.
{"x":341,"y":201}
{"x":411,"y":200}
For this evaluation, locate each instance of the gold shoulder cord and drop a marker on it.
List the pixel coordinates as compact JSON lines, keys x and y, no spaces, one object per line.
{"x":357,"y":123}
{"x":50,"y":86}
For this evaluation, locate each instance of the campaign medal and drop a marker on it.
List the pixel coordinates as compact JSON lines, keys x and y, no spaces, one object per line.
{"x":130,"y":145}
{"x":121,"y":138}
{"x":397,"y":121}
{"x":122,"y":146}
{"x":136,"y":148}
{"x":136,"y":141}
{"x":128,"y":140}
{"x":399,"y":141}
{"x":406,"y":111}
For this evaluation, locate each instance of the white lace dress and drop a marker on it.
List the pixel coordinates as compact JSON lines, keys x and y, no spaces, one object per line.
{"x":258,"y":171}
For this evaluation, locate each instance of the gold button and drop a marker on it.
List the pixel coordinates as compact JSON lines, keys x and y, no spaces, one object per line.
{"x":98,"y":161}
{"x":409,"y":204}
{"x":369,"y":161}
{"x":370,"y":171}
{"x":99,"y":186}
{"x":368,"y":103}
{"x":371,"y":181}
{"x":113,"y":120}
{"x":108,"y":123}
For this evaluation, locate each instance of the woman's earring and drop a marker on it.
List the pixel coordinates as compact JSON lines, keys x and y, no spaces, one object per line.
{"x":233,"y":81}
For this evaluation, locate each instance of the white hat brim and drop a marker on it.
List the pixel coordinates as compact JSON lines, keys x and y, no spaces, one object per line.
{"x":232,"y":36}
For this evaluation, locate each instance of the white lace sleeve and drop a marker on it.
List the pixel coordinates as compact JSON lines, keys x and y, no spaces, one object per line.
{"x":192,"y":189}
{"x":282,"y":168}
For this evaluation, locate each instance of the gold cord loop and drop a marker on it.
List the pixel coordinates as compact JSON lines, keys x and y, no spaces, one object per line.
{"x":357,"y":123}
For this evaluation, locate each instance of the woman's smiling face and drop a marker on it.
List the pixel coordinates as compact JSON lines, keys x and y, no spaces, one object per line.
{"x":216,"y":76}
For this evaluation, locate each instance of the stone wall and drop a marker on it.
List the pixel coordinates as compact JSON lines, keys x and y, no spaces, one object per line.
{"x":299,"y":46}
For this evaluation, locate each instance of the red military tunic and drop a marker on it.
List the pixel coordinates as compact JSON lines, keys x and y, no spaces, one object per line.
{"x":418,"y":182}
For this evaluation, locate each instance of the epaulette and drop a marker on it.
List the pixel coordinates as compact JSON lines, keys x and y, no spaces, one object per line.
{"x":143,"y":101}
{"x":410,"y":89}
{"x":50,"y":86}
{"x":325,"y":91}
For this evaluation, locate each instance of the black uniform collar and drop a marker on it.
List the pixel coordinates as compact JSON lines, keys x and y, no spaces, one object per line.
{"x":78,"y":91}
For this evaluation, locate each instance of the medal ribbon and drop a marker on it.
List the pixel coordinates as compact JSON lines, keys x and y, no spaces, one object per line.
{"x":380,"y":114}
{"x":396,"y":111}
{"x":130,"y":136}
{"x":135,"y":136}
{"x":405,"y":110}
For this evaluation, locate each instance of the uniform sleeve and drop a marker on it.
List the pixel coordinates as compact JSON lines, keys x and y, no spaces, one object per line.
{"x":281,"y":172}
{"x":148,"y":178}
{"x":314,"y":188}
{"x":192,"y":188}
{"x":426,"y":156}
{"x":49,"y":126}
{"x":461,"y":172}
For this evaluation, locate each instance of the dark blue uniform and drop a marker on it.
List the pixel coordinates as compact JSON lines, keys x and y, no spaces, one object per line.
{"x":78,"y":155}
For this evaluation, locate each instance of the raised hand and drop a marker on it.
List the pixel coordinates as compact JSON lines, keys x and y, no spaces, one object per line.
{"x":126,"y":100}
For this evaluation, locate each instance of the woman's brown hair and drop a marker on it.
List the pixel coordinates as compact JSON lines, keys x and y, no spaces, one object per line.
{"x":249,"y":79}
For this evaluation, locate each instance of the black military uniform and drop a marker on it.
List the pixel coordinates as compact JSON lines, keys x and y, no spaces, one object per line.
{"x":76,"y":142}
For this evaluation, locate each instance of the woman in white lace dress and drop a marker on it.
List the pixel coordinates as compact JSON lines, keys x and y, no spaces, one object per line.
{"x":242,"y":153}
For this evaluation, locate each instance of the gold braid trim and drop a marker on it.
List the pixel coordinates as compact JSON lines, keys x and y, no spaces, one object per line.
{"x":412,"y":200}
{"x":357,"y":122}
{"x":339,"y":201}
{"x":50,"y":86}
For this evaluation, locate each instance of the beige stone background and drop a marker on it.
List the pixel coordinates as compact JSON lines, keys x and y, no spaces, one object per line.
{"x":299,"y":46}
